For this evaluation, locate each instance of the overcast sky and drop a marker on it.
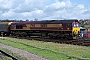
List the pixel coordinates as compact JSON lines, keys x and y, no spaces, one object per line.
{"x":44,"y":9}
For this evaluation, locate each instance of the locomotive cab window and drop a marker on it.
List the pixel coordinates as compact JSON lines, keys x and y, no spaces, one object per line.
{"x":76,"y":24}
{"x":68,"y":25}
{"x":19,"y":26}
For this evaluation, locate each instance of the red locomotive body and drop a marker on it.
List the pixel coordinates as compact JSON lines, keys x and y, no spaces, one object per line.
{"x":52,"y":28}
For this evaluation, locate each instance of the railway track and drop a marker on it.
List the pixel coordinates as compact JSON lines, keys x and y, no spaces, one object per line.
{"x":8,"y":55}
{"x":74,"y":42}
{"x":81,"y":42}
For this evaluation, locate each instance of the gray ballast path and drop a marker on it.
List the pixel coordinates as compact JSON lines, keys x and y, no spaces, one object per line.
{"x":23,"y":53}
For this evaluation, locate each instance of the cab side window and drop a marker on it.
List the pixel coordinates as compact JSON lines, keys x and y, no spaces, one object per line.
{"x":68,"y":25}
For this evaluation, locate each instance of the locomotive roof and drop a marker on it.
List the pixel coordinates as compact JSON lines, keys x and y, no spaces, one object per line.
{"x":45,"y":21}
{"x":31,"y":22}
{"x":67,"y":20}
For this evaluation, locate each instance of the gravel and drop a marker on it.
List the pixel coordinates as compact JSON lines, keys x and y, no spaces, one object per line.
{"x":23,"y":53}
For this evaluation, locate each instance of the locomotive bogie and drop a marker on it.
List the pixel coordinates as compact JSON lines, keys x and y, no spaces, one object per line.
{"x":61,"y":34}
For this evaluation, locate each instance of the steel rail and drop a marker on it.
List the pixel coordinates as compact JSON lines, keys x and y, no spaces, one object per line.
{"x":8,"y":55}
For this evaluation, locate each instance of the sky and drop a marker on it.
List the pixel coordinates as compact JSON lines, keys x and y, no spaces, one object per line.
{"x":44,"y":9}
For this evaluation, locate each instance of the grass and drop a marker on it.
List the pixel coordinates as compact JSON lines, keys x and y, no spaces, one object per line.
{"x":13,"y":54}
{"x":73,"y":50}
{"x":45,"y":53}
{"x":7,"y":58}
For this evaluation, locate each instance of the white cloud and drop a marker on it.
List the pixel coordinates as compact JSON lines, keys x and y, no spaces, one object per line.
{"x":7,"y":4}
{"x":42,"y":9}
{"x":80,"y":6}
{"x":8,"y":14}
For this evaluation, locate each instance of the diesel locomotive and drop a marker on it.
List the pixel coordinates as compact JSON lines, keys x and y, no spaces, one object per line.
{"x":53,"y":28}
